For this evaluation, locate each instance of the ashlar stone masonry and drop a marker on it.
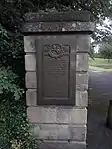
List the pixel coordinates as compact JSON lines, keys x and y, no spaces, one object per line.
{"x":56,"y":62}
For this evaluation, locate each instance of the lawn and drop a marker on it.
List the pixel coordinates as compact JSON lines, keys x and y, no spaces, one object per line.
{"x":100,"y":64}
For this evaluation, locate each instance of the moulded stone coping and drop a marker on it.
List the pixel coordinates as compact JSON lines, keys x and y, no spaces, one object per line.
{"x":78,"y":21}
{"x":83,"y":16}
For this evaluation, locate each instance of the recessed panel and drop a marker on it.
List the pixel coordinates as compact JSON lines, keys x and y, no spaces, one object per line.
{"x":55,"y":72}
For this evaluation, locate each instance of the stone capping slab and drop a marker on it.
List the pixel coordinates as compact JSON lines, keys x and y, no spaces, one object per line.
{"x":62,"y":145}
{"x":59,"y":132}
{"x":83,"y":16}
{"x":57,"y":115}
{"x":61,"y":27}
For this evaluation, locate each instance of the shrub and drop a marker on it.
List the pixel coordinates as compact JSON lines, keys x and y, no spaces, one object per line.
{"x":14,"y":126}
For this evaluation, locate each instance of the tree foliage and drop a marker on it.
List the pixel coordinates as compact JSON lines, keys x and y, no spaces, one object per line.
{"x":91,"y":52}
{"x":106,"y":50}
{"x":14,"y":127}
{"x":12,"y":11}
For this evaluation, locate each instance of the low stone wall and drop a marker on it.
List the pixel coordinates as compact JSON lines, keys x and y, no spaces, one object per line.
{"x":59,"y":126}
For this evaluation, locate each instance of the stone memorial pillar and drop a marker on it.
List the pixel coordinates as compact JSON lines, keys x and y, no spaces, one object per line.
{"x":56,"y":62}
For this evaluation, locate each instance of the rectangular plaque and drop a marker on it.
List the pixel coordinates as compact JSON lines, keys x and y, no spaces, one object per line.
{"x":56,"y":73}
{"x":55,"y":76}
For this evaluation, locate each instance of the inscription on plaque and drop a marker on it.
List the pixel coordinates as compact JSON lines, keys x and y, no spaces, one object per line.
{"x":56,"y":65}
{"x":56,"y":72}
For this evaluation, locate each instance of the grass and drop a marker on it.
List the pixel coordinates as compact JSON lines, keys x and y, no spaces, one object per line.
{"x":99,"y":69}
{"x":100,"y":64}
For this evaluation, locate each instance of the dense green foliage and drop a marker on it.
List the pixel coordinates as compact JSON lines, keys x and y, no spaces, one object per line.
{"x":106,"y":50}
{"x":14,"y":127}
{"x":91,"y":52}
{"x":12,"y":11}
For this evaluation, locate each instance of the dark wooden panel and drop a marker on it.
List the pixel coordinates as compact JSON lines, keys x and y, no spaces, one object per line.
{"x":55,"y":72}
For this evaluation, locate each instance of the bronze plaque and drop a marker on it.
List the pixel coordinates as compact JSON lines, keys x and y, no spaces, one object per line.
{"x":56,"y":71}
{"x":55,"y":76}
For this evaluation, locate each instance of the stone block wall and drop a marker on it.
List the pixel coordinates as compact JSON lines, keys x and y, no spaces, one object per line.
{"x":60,"y":127}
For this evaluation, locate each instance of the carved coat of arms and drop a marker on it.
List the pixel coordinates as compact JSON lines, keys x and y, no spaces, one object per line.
{"x":56,"y":51}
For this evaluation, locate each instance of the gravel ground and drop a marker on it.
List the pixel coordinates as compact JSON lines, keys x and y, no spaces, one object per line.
{"x":100,"y":86}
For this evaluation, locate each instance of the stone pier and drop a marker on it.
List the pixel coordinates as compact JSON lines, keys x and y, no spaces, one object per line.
{"x":56,"y":62}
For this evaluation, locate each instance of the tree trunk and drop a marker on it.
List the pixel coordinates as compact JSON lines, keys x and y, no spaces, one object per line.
{"x":108,"y":60}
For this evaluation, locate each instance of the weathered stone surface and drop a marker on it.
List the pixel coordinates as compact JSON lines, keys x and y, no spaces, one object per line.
{"x":81,"y":81}
{"x":52,"y":132}
{"x":59,"y":115}
{"x":31,"y":97}
{"x":29,"y":44}
{"x":82,"y":62}
{"x":30,"y":62}
{"x":80,"y":43}
{"x":41,"y":114}
{"x":71,"y":115}
{"x":58,"y":16}
{"x":63,"y":132}
{"x":83,"y":43}
{"x":61,"y":127}
{"x":58,"y":21}
{"x":58,"y":27}
{"x":81,"y":98}
{"x":60,"y":132}
{"x":31,"y":80}
{"x":68,"y":40}
{"x":78,"y":133}
{"x":62,"y":145}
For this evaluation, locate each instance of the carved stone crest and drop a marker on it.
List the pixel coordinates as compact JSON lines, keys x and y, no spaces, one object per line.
{"x":56,"y":51}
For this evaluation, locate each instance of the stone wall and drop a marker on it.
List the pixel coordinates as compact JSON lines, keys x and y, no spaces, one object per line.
{"x":61,"y":127}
